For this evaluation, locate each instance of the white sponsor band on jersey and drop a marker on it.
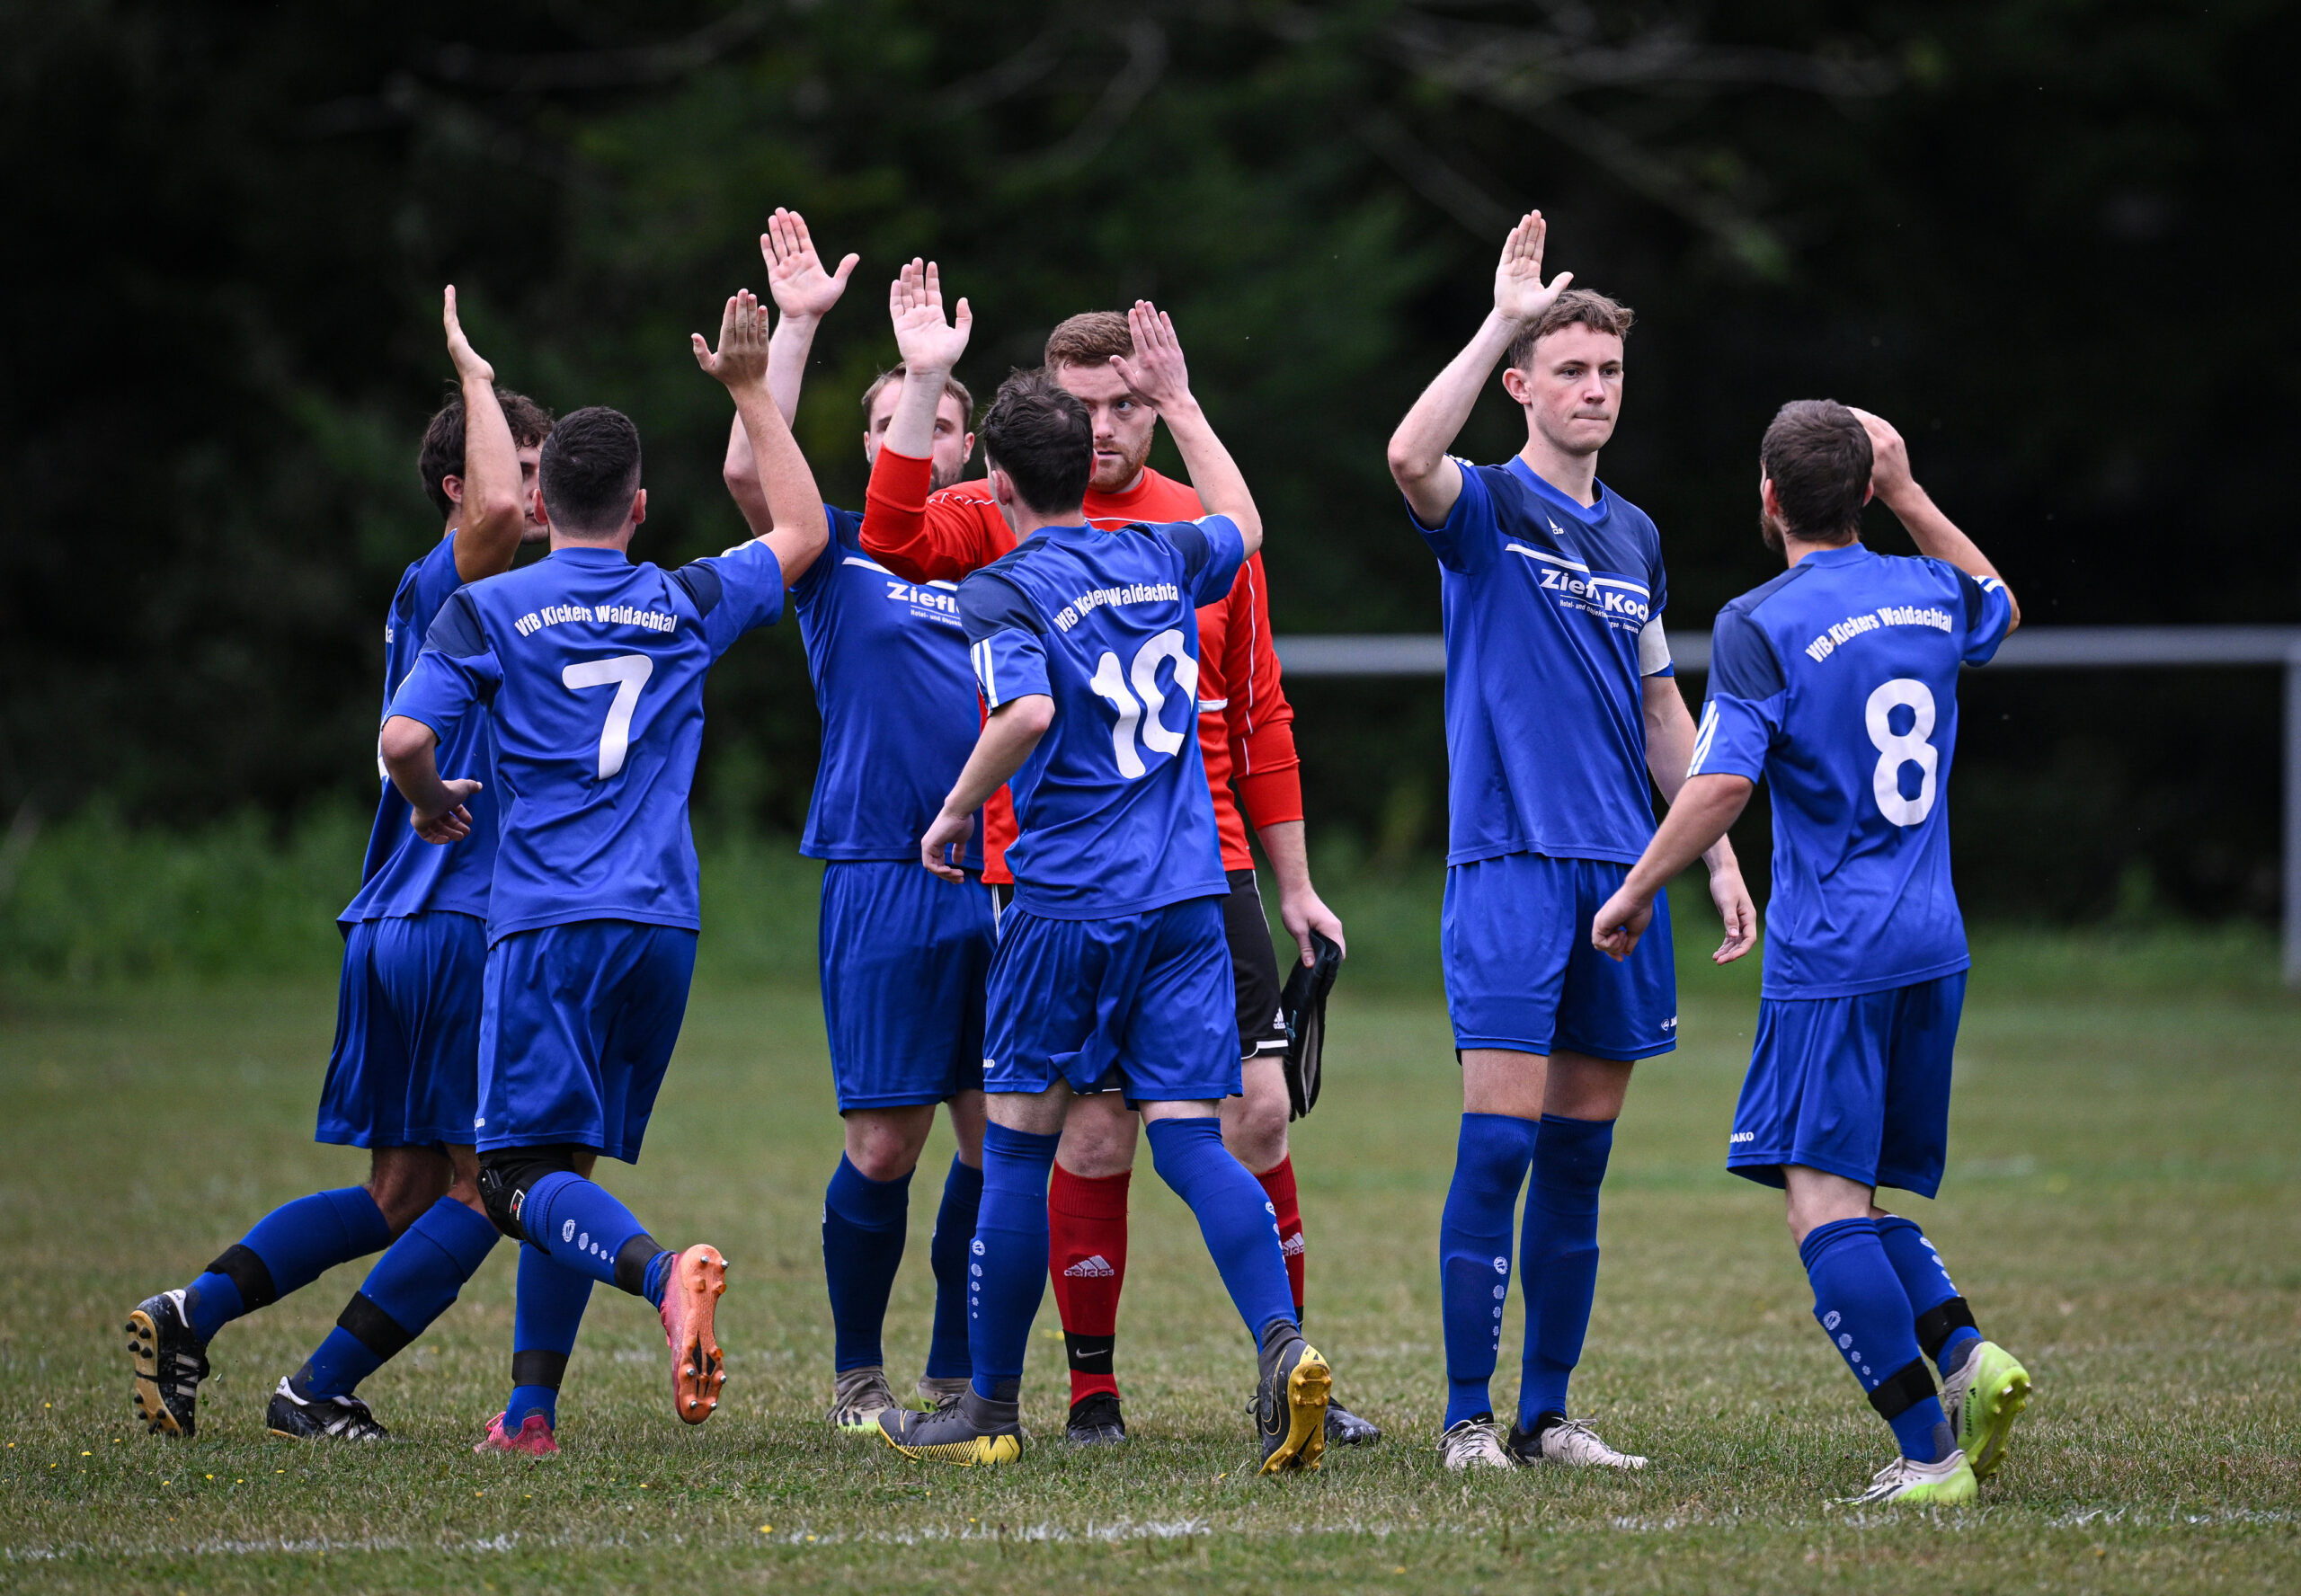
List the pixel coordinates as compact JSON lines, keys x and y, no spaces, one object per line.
{"x":605,"y":615}
{"x":1094,"y":598}
{"x":1885,"y":614}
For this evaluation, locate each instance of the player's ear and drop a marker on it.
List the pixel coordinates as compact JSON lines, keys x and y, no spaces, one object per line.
{"x":453,"y":487}
{"x":639,"y":507}
{"x":1515,"y":383}
{"x":967,"y":452}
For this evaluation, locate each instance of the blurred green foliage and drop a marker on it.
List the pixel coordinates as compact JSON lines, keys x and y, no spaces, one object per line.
{"x":2031,"y":231}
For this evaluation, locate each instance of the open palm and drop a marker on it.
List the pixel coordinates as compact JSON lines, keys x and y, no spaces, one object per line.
{"x":926,"y":339}
{"x":796,"y":277}
{"x":1519,"y":292}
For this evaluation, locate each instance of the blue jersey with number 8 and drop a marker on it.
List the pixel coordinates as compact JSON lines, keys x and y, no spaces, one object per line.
{"x":1112,"y":805}
{"x":594,"y":669}
{"x":1836,"y":683}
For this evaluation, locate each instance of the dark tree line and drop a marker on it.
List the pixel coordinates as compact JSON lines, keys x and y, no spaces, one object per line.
{"x":2039,"y":235}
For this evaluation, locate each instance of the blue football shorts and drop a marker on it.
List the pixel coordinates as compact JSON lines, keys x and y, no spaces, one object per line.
{"x":904,"y":956}
{"x":1142,"y":1004}
{"x":404,"y":1069}
{"x":1857,"y":1086}
{"x":578,"y":1027}
{"x":1521,"y":972}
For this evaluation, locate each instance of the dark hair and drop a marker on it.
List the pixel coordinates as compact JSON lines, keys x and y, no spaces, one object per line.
{"x":1581,"y":307}
{"x":953,"y":388}
{"x":1817,"y":454}
{"x":442,"y":454}
{"x":589,"y":471}
{"x":1040,"y":437}
{"x":1090,"y":338}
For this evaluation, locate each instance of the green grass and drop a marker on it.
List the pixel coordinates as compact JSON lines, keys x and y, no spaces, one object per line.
{"x":2124,"y":1208}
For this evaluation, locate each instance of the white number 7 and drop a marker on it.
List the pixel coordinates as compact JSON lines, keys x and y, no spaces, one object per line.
{"x":627,"y":673}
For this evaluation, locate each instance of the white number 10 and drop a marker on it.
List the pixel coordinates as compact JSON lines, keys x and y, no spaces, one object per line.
{"x":1896,"y":750}
{"x":627,"y":673}
{"x":1139,"y":711}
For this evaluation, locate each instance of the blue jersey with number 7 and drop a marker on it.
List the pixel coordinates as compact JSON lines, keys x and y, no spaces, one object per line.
{"x":1112,"y":806}
{"x":1836,"y":683}
{"x":594,"y":669}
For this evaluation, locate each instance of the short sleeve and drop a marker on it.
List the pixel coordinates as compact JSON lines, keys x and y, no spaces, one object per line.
{"x":818,"y":574}
{"x":1006,"y":642}
{"x":1212,"y":549}
{"x":444,"y":686}
{"x":1988,"y":616}
{"x":1742,"y":716}
{"x":436,"y":581}
{"x":1465,"y":539}
{"x":735,"y":592}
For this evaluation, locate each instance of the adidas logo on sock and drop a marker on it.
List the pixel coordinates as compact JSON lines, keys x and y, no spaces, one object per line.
{"x":1095,"y":1268}
{"x":1294,"y":1246}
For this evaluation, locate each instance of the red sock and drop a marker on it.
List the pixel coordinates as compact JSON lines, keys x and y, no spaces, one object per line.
{"x":1278,"y":1186}
{"x":1087,"y":1258}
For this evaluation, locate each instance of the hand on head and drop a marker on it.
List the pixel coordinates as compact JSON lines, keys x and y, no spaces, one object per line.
{"x":1519,"y":292}
{"x":926,"y":340}
{"x":469,"y":365}
{"x":1156,"y":374}
{"x":795,"y":277}
{"x":1889,"y":471}
{"x":741,"y":359}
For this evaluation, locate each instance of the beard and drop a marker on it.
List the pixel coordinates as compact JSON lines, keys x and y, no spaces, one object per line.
{"x":1770,"y":529}
{"x":1130,"y":466}
{"x":938,"y":479}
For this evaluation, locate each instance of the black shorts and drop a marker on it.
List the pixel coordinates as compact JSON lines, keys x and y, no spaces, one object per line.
{"x":1254,"y":971}
{"x":1254,"y":965}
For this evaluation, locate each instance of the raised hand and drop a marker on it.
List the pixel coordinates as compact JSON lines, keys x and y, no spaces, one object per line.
{"x":452,"y":823}
{"x":741,"y":359}
{"x":1519,"y":292}
{"x":1889,"y":473}
{"x":923,"y":337}
{"x":469,"y":367}
{"x":795,"y":277}
{"x":1156,"y":374}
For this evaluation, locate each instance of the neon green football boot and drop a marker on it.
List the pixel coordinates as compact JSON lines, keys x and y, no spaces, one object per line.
{"x":1906,"y":1483}
{"x":1983,"y":1398}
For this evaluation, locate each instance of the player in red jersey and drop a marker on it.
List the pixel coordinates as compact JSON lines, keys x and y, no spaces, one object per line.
{"x":1246,"y":739}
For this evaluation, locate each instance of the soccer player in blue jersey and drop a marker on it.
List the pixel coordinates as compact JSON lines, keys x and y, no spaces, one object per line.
{"x":1112,"y":971}
{"x":1560,"y":704}
{"x":403,"y":1075}
{"x":904,"y":954}
{"x":1836,"y":683}
{"x":593,"y":667}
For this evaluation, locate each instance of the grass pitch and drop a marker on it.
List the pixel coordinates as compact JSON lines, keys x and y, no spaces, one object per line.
{"x":2123,"y":1208}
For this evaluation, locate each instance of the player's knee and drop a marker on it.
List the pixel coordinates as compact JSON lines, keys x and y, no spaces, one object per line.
{"x":506,"y":1175}
{"x":406,"y":1181}
{"x":1255,"y":1133}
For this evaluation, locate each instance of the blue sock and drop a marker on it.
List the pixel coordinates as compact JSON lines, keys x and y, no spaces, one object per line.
{"x":1862,"y":1309}
{"x":1491,"y":1162}
{"x":1558,"y":1260}
{"x":543,"y":1334}
{"x":411,"y":1285}
{"x":955,"y":1222}
{"x":583,"y":1228}
{"x":1927,"y":1281}
{"x":1008,"y":1274}
{"x":290,"y":1249}
{"x":863,"y":1226}
{"x":1234,"y":1217}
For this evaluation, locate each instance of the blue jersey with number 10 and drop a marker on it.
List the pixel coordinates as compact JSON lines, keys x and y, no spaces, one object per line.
{"x":1113,"y":806}
{"x":594,"y":669}
{"x":1836,"y":683}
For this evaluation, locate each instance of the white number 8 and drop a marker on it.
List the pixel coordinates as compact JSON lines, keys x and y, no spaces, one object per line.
{"x":627,"y":673}
{"x":1909,"y":748}
{"x":1141,"y":714}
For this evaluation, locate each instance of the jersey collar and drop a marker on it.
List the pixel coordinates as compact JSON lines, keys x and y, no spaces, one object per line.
{"x":1853,"y":554}
{"x":1589,"y":515}
{"x":592,"y":556}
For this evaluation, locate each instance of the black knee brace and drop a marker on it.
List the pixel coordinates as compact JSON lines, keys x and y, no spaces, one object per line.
{"x":506,"y":1174}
